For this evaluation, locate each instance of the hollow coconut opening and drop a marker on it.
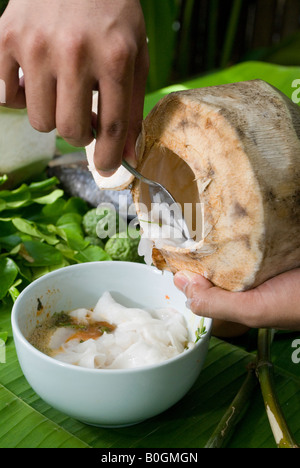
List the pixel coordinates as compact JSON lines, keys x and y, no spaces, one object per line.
{"x":177,"y":176}
{"x":168,"y":169}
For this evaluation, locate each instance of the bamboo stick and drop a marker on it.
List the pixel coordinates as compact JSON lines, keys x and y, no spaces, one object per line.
{"x":265,"y":372}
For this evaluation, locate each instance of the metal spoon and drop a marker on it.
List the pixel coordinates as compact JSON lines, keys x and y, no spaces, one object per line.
{"x":158,"y":194}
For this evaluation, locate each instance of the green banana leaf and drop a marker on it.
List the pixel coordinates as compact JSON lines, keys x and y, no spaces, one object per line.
{"x":26,"y":421}
{"x":279,"y":76}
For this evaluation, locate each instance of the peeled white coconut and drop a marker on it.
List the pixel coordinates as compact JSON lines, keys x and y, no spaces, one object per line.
{"x":120,"y":180}
{"x":24,"y":152}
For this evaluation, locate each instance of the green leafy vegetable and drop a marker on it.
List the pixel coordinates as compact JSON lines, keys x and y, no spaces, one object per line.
{"x":3,"y":179}
{"x":124,"y":247}
{"x":102,"y":222}
{"x":201,"y":331}
{"x":92,"y":253}
{"x":8,"y":274}
{"x":41,"y":254}
{"x":40,"y":230}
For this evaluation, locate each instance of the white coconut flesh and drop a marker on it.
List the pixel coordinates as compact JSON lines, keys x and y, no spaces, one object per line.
{"x":167,"y":168}
{"x":120,"y":180}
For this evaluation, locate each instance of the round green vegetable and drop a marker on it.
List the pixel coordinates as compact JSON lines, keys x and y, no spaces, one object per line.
{"x":123,"y":248}
{"x":101,"y":222}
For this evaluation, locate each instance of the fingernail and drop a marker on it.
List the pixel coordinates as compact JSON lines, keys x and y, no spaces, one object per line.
{"x":184,"y":278}
{"x":107,"y":173}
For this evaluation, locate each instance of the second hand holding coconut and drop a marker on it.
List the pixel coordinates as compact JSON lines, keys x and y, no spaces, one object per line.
{"x":160,"y":195}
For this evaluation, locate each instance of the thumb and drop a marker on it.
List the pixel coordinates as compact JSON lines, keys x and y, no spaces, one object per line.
{"x":207,"y":300}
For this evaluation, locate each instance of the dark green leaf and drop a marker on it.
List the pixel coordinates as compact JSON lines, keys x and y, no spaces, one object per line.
{"x":66,"y":251}
{"x":11,"y":241}
{"x":6,"y":228}
{"x":16,"y":198}
{"x":2,"y":205}
{"x":30,"y":228}
{"x":92,"y":253}
{"x":49,"y":198}
{"x":3,"y":179}
{"x":42,"y":254}
{"x":76,"y":243}
{"x":70,"y":223}
{"x":44,"y":184}
{"x":8,"y":274}
{"x":13,"y":290}
{"x":76,"y":205}
{"x":3,"y":336}
{"x":38,"y":272}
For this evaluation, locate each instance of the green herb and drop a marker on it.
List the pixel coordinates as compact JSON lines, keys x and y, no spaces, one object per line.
{"x":3,"y":179}
{"x":105,"y":330}
{"x":63,"y":320}
{"x":201,"y":331}
{"x":41,"y":230}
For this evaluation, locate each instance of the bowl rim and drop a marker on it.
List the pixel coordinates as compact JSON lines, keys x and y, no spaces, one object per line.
{"x":73,"y":368}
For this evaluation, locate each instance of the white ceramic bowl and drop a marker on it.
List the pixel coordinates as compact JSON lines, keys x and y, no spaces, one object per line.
{"x":105,"y":397}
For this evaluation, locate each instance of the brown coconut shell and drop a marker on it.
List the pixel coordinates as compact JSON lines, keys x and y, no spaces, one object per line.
{"x":236,"y":149}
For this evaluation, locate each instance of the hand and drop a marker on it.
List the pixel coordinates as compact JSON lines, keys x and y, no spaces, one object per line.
{"x":68,"y":49}
{"x":274,"y":304}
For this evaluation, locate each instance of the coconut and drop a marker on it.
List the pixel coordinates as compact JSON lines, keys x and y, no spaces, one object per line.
{"x":230,"y":156}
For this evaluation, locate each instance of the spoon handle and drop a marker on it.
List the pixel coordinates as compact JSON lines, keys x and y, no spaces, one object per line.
{"x":137,"y":174}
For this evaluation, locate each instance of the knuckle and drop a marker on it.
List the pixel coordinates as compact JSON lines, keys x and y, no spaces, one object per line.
{"x":74,"y":134}
{"x":116,"y":129}
{"x":41,"y":125}
{"x":37,"y":45}
{"x":67,"y":131}
{"x":7,"y":37}
{"x":119,"y":57}
{"x":73,"y":48}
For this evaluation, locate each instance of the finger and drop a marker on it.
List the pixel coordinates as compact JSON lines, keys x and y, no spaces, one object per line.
{"x":40,"y":90}
{"x":137,"y":104}
{"x":113,"y":122}
{"x":74,"y":110}
{"x":209,"y":301}
{"x":12,"y":93}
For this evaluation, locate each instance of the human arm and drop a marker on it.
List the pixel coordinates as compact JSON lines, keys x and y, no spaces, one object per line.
{"x":274,"y":304}
{"x":67,"y":50}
